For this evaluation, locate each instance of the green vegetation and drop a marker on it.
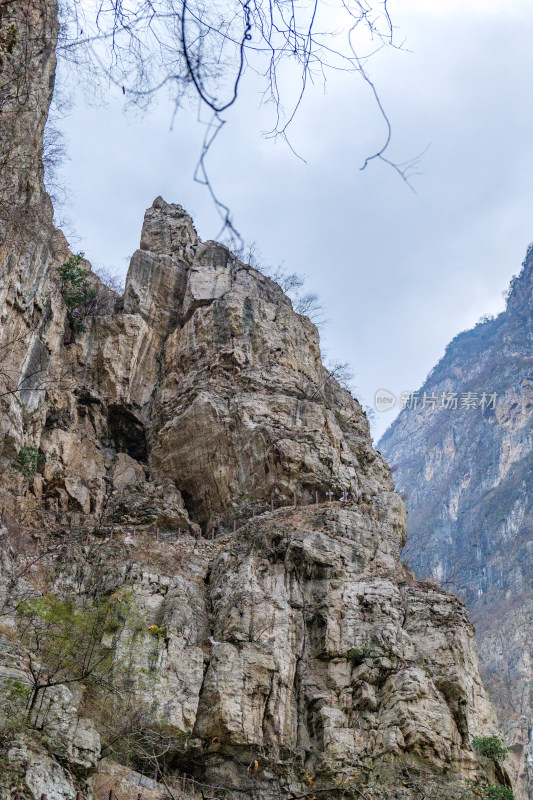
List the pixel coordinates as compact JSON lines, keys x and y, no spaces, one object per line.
{"x":28,"y":461}
{"x":14,"y":696}
{"x":490,"y":791}
{"x":92,"y":644}
{"x":358,"y":654}
{"x":158,"y":632}
{"x":102,"y":645}
{"x":8,"y":41}
{"x":494,"y":791}
{"x":76,"y":289}
{"x":490,"y":746}
{"x":64,"y":642}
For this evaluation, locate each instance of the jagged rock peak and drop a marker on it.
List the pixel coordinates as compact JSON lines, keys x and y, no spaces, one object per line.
{"x":168,"y":229}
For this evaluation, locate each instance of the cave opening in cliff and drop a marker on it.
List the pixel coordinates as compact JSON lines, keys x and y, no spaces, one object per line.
{"x":191,"y":506}
{"x":127,"y":433}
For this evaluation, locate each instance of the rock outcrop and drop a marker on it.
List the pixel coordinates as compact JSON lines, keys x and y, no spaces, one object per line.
{"x":182,"y":449}
{"x":295,"y":635}
{"x":299,"y":642}
{"x":466,"y":471}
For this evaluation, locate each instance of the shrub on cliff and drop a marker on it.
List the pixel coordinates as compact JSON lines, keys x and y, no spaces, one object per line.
{"x":76,"y":290}
{"x":490,"y":747}
{"x":28,"y":461}
{"x":495,"y":791}
{"x":490,"y":791}
{"x":64,"y":642}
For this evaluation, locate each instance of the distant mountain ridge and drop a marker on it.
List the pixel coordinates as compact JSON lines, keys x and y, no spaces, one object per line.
{"x":467,"y":473}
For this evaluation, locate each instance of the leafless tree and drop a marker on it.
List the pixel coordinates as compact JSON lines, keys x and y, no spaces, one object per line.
{"x":54,"y":152}
{"x":203,"y":51}
{"x":334,"y":373}
{"x":33,"y":374}
{"x":342,"y":372}
{"x":21,"y":555}
{"x":306,"y":303}
{"x":112,"y":280}
{"x":292,"y":283}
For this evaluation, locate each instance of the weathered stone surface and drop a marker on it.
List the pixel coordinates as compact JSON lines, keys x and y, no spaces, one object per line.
{"x":300,"y":635}
{"x":311,"y":616}
{"x":245,"y":412}
{"x":158,"y":272}
{"x":28,"y":240}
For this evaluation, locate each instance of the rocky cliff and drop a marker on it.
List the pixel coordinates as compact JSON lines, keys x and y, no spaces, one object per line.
{"x":466,"y":465}
{"x":182,"y":591}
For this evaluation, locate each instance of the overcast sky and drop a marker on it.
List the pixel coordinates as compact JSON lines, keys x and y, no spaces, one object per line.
{"x":400,"y":274}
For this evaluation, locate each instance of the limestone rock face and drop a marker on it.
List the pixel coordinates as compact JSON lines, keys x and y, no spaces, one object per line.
{"x":206,"y":375}
{"x":28,"y":240}
{"x":158,"y":271}
{"x":245,"y":413}
{"x":302,"y":643}
{"x":185,"y":447}
{"x":316,"y":614}
{"x":467,"y":475}
{"x":29,"y":33}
